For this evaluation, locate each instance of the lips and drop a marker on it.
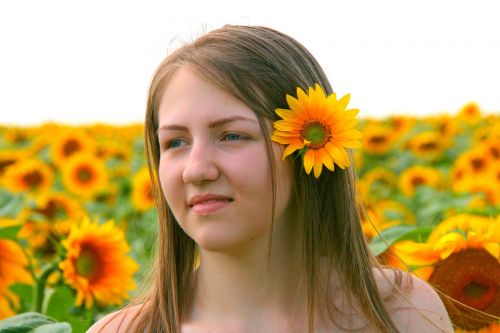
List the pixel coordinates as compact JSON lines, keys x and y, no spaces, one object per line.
{"x":208,"y":198}
{"x":208,"y":203}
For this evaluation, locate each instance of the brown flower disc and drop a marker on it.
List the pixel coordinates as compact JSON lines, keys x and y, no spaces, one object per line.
{"x":471,"y":277}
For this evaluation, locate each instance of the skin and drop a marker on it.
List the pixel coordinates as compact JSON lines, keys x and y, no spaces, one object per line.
{"x":211,"y":143}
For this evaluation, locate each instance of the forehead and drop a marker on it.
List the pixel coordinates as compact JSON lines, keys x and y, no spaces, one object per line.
{"x":188,"y":97}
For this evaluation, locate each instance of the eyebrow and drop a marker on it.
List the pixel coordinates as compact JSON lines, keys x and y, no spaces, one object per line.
{"x":213,"y":124}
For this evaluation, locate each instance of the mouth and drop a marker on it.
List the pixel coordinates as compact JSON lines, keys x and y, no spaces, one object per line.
{"x":210,"y":201}
{"x":207,"y":204}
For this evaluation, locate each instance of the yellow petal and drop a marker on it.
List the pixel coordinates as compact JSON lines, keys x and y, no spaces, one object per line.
{"x":318,"y":164}
{"x":326,"y":159}
{"x":424,"y":272}
{"x":284,"y":125}
{"x":304,"y":99}
{"x":288,"y":115}
{"x":338,"y":155}
{"x":493,"y":249}
{"x":288,"y":134}
{"x":309,"y":160}
{"x":415,"y":254}
{"x":344,"y":101}
{"x":282,"y":140}
{"x":351,"y":113}
{"x":352,"y":144}
{"x":291,"y":148}
{"x":349,"y":135}
{"x":294,"y":104}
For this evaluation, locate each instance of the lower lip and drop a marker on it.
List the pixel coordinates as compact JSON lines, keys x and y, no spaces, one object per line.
{"x":209,"y":207}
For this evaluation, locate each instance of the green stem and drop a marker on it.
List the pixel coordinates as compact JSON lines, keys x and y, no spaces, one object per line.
{"x":39,"y":289}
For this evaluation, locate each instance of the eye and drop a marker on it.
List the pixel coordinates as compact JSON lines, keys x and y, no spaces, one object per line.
{"x":175,"y":143}
{"x":234,"y":137}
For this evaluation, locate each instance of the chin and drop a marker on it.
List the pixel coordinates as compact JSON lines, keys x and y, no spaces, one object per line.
{"x":226,"y":245}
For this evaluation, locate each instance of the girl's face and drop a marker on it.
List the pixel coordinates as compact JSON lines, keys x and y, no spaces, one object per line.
{"x":214,"y":170}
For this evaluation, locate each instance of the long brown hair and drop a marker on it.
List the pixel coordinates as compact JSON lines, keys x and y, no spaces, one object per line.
{"x":259,"y":66}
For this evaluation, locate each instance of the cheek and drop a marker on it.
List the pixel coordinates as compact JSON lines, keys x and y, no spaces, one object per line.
{"x":168,"y":177}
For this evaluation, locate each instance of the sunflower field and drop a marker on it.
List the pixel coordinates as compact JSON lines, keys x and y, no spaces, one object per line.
{"x":77,"y":223}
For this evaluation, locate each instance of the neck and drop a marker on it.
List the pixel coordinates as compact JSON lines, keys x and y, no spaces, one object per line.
{"x":249,"y":283}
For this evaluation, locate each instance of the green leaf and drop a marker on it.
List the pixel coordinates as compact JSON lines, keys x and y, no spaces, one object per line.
{"x":388,"y":237}
{"x":53,"y":328}
{"x":399,"y":233}
{"x":25,"y":293}
{"x":10,"y":232}
{"x":419,"y":235}
{"x":57,"y":302}
{"x":10,"y":204}
{"x":32,"y":322}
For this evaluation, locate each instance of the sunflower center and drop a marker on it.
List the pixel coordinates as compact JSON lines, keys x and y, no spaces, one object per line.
{"x":469,"y":276}
{"x":52,"y":210}
{"x":84,"y":174}
{"x":316,"y":133}
{"x":378,"y":139}
{"x":495,"y":152}
{"x":428,"y":146}
{"x":70,"y":147}
{"x":475,"y":290}
{"x":32,"y":179}
{"x":477,"y":164}
{"x":416,"y":181}
{"x":5,"y":163}
{"x":87,"y":263}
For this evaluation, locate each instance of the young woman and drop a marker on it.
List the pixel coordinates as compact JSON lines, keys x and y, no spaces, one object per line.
{"x":259,"y":184}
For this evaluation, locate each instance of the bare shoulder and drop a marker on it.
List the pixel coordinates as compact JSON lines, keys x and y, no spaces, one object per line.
{"x":115,"y":322}
{"x":416,"y":307}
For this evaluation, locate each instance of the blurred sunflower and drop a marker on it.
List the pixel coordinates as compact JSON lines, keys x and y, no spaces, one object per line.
{"x":471,"y":169}
{"x":416,"y":176}
{"x":113,"y":149}
{"x":462,"y":259}
{"x":393,"y":213}
{"x":142,"y":195}
{"x":84,"y":175}
{"x":8,"y":158}
{"x":371,"y":223}
{"x":97,"y":265}
{"x":68,"y":142}
{"x":17,"y":135}
{"x":446,"y":126}
{"x":401,"y":124}
{"x":489,"y":187}
{"x":13,"y":269}
{"x":427,"y":145}
{"x":56,"y":206}
{"x":380,"y":183}
{"x":37,"y":234}
{"x":470,"y":113}
{"x":31,"y":175}
{"x":378,"y":139}
{"x":384,"y":214}
{"x":45,"y":221}
{"x":382,"y":176}
{"x":491,"y":147}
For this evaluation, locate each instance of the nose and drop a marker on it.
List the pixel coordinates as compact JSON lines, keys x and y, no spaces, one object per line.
{"x":200,"y":165}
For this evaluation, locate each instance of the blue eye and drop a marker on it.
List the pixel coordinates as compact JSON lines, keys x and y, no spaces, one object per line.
{"x":175,"y":143}
{"x":234,"y":137}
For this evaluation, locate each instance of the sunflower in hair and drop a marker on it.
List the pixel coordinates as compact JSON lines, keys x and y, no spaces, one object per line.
{"x":319,"y":127}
